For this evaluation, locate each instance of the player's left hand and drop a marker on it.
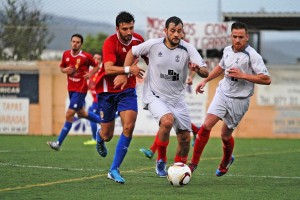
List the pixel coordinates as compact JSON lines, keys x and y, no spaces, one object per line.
{"x":120,"y":81}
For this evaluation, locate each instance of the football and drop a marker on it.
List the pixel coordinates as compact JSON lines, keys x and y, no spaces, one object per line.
{"x":179,"y":174}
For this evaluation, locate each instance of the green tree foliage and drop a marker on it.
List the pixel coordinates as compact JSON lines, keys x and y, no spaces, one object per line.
{"x":93,"y":44}
{"x":23,"y":31}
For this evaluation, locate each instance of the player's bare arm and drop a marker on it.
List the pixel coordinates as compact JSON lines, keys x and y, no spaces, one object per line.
{"x":111,"y":69}
{"x":217,"y":71}
{"x":131,"y":62}
{"x":201,"y":71}
{"x":255,"y":78}
{"x":67,"y":70}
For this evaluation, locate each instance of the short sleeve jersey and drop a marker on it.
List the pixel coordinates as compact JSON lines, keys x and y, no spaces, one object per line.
{"x":115,"y":51}
{"x":167,"y":69}
{"x":81,"y":64}
{"x":248,"y":61}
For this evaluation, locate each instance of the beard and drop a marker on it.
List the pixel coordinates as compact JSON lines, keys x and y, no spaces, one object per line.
{"x":174,"y":42}
{"x":126,"y":38}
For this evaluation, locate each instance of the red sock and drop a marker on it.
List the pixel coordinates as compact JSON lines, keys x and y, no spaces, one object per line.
{"x":153,"y":147}
{"x":195,"y":129}
{"x":182,"y":159}
{"x":227,"y":150}
{"x":162,"y":150}
{"x":200,"y":142}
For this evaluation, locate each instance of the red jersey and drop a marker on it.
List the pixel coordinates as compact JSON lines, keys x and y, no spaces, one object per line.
{"x":81,"y":64}
{"x":115,"y":51}
{"x":92,"y":84}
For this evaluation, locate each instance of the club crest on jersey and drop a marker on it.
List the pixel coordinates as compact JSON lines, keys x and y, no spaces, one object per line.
{"x":160,"y":54}
{"x":177,"y":58}
{"x":101,"y":114}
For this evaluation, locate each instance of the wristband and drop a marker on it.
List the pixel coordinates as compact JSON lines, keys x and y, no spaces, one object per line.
{"x":127,"y":69}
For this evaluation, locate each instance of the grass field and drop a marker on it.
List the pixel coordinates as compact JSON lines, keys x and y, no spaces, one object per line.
{"x":29,"y":169}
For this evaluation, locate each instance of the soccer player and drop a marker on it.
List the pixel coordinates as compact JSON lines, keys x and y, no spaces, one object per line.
{"x":149,"y":153}
{"x":116,"y":92}
{"x":163,"y":94}
{"x":75,"y":63}
{"x":94,"y":107}
{"x":243,"y":68}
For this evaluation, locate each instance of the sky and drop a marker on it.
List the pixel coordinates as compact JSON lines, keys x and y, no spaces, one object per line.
{"x":187,"y":10}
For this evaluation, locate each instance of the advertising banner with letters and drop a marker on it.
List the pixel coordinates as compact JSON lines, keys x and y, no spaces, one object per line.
{"x":14,"y":116}
{"x":16,"y":84}
{"x":284,"y":95}
{"x":203,"y":35}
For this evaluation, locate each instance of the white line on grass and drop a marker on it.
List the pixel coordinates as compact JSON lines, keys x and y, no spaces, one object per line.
{"x":49,"y":167}
{"x":142,"y":170}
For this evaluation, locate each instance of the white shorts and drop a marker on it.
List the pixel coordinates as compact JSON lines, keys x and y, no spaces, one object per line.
{"x":182,"y":120}
{"x":230,"y":110}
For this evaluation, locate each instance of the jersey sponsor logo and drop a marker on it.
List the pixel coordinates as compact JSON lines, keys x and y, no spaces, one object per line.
{"x":74,"y":79}
{"x":171,"y":76}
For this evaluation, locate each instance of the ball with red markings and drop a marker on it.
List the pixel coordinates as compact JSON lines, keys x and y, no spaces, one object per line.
{"x":179,"y":174}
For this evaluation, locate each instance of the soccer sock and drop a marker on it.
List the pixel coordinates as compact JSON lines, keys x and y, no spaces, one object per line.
{"x":93,"y":117}
{"x":162,"y":150}
{"x":94,"y":129}
{"x":98,"y":138}
{"x":227,"y":150}
{"x":195,"y":129}
{"x":200,"y":142}
{"x":121,"y":151}
{"x":64,"y":132}
{"x":153,"y":147}
{"x":182,"y":159}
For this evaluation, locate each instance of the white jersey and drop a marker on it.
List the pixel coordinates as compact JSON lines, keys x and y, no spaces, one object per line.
{"x":249,"y":62}
{"x":167,"y":69}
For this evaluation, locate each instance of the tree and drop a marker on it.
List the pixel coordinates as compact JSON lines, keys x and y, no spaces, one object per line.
{"x":23,"y":31}
{"x":94,"y":44}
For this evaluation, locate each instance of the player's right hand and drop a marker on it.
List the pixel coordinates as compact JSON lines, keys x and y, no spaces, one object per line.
{"x":135,"y":70}
{"x":200,"y":87}
{"x":69,"y":70}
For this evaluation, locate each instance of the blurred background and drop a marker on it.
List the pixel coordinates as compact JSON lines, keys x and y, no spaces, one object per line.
{"x":34,"y":34}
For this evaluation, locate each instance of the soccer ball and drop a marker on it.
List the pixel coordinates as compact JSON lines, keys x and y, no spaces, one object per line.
{"x":179,"y":174}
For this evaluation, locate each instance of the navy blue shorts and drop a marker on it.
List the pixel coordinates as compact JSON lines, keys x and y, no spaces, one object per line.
{"x":77,"y":100}
{"x":110,"y":103}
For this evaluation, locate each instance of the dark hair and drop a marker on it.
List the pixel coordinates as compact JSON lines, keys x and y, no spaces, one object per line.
{"x":79,"y":36}
{"x":175,"y":20}
{"x":124,"y":17}
{"x":239,"y":25}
